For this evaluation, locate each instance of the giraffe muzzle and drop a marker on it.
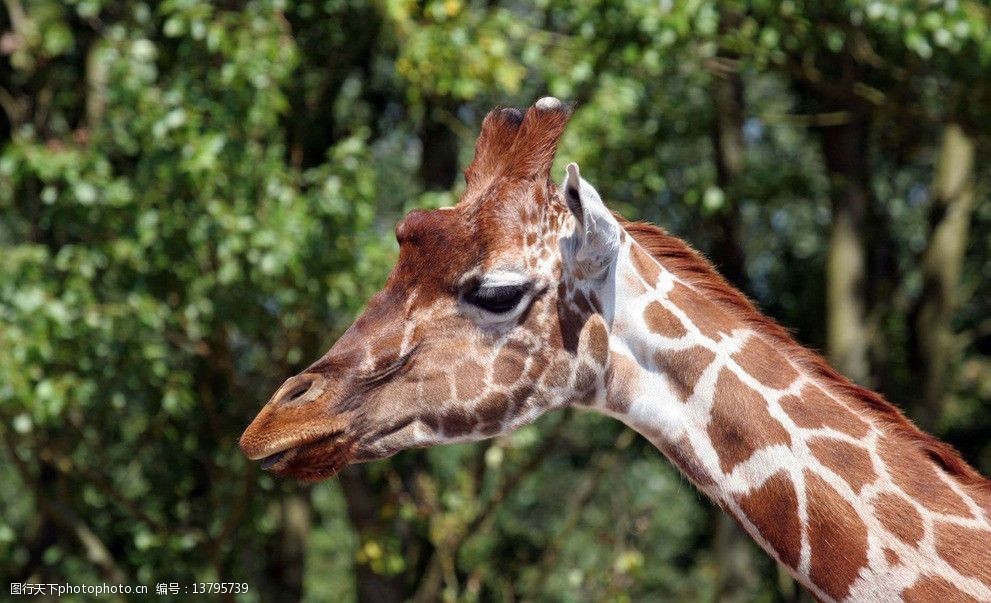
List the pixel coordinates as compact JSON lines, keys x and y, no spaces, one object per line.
{"x":299,"y":416}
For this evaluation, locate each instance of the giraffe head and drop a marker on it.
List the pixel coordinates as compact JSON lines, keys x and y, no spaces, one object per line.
{"x":492,"y":315}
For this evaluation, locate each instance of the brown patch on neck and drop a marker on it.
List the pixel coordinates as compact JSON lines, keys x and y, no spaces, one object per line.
{"x":966,"y":550}
{"x":635,"y":284}
{"x":741,"y":424}
{"x":917,"y":477}
{"x":704,"y":314}
{"x":773,"y":509}
{"x":595,"y":340}
{"x":684,"y":368}
{"x":686,"y":264}
{"x":621,"y":382}
{"x":933,"y":588}
{"x":816,"y":410}
{"x":764,"y":364}
{"x":837,"y":537}
{"x":645,"y":266}
{"x":891,"y":558}
{"x":899,"y":517}
{"x":662,"y":321}
{"x":850,"y":462}
{"x":570,"y":321}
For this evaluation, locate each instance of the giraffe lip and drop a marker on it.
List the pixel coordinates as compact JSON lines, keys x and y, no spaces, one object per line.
{"x":278,"y":460}
{"x":272,"y":459}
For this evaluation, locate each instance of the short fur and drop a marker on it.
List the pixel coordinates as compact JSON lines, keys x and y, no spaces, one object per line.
{"x":515,"y":145}
{"x":692,"y":267}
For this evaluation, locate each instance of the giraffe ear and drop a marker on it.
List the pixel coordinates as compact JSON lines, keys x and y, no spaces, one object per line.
{"x":597,"y":233}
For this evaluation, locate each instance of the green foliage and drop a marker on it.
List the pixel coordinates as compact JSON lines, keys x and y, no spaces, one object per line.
{"x":197,"y":198}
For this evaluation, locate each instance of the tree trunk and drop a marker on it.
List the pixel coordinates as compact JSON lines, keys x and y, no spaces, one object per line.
{"x":728,"y":147}
{"x":932,"y":333}
{"x":845,"y":151}
{"x":96,"y":87}
{"x":439,"y":155}
{"x":287,"y":563}
{"x":737,"y":576}
{"x":363,"y":512}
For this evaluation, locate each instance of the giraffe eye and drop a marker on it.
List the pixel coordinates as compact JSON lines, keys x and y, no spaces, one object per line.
{"x":498,"y":300}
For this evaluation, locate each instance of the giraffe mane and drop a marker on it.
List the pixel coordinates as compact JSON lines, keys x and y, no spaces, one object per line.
{"x":689,"y":265}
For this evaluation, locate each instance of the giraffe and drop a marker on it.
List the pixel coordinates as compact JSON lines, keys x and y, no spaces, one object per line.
{"x":526,"y":297}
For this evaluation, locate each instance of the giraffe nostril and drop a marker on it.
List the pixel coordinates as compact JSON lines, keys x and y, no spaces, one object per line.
{"x":298,"y":390}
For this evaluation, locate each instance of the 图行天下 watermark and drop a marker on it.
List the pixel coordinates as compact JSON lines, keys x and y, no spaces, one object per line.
{"x":31,"y":589}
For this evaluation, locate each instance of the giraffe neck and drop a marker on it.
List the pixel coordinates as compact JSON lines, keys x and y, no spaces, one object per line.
{"x":848,"y":498}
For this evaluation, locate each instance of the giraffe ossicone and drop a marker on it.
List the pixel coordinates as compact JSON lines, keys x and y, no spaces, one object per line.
{"x":525,"y":298}
{"x":548,"y":103}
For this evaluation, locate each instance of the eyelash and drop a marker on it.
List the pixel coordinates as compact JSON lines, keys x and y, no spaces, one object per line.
{"x":497,"y":300}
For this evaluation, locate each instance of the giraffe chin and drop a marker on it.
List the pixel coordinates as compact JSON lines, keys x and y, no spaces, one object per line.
{"x":314,"y":461}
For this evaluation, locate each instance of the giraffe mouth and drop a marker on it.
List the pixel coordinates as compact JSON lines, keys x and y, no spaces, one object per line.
{"x":272,"y":459}
{"x":315,"y":460}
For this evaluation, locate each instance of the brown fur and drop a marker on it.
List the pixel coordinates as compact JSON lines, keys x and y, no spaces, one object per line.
{"x":620,"y":381}
{"x":596,"y":340}
{"x":646,"y":268}
{"x":920,"y":481}
{"x":499,"y":128}
{"x":892,"y":557}
{"x":762,"y":362}
{"x":535,"y":145}
{"x":773,"y":509}
{"x":965,"y":549}
{"x":684,"y":368}
{"x":899,"y":517}
{"x":469,"y":380}
{"x":514,"y":145}
{"x":662,"y":321}
{"x":741,"y":424}
{"x":703,"y":313}
{"x":832,"y":519}
{"x":850,"y":462}
{"x":688,"y":265}
{"x":933,"y":588}
{"x":813,"y":409}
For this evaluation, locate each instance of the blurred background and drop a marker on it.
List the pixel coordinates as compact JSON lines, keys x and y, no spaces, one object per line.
{"x":196,"y":198}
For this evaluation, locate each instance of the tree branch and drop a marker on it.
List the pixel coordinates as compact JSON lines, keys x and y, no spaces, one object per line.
{"x":18,"y":18}
{"x":602,"y":462}
{"x":12,"y":107}
{"x":431,"y":582}
{"x":60,"y":513}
